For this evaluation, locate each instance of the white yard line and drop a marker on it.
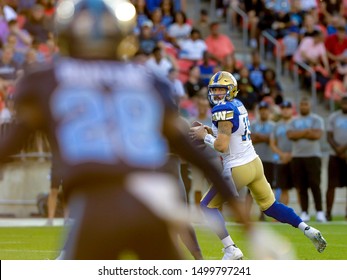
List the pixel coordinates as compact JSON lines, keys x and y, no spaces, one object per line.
{"x":30,"y":222}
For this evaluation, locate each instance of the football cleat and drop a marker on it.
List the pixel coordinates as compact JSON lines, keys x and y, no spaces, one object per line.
{"x":232,"y":253}
{"x":320,"y":217}
{"x":316,"y":238}
{"x":305,"y":217}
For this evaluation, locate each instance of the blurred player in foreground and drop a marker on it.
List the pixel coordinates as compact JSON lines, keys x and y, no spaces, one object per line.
{"x":231,"y":136}
{"x":110,"y":125}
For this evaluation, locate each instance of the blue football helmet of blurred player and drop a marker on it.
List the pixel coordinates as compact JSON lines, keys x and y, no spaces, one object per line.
{"x":96,"y":29}
{"x":225,"y":80}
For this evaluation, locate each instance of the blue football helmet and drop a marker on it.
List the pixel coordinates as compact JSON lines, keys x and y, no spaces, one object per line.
{"x":222,"y":79}
{"x":96,"y":29}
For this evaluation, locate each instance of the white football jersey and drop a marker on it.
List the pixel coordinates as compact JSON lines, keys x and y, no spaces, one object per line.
{"x":241,"y":150}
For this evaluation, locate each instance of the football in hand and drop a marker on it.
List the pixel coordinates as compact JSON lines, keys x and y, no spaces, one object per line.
{"x":196,"y":142}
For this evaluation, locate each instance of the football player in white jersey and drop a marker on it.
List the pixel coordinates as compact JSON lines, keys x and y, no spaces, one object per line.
{"x":230,"y":135}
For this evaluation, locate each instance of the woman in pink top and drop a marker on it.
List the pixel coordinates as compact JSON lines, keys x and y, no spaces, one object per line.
{"x":218,"y":45}
{"x":312,"y":51}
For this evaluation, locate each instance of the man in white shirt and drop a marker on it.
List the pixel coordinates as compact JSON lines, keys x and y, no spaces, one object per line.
{"x":158,"y":63}
{"x":192,"y":48}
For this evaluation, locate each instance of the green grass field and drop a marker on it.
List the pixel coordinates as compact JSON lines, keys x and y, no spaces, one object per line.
{"x":40,"y":243}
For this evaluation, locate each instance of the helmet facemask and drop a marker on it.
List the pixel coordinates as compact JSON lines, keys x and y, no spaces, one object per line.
{"x":217,"y":98}
{"x":224,"y":80}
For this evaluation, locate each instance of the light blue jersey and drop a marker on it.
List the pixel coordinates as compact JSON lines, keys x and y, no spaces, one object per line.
{"x":263,"y":149}
{"x":306,"y":147}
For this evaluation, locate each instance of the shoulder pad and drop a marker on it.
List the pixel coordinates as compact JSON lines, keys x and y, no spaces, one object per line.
{"x":223,"y":112}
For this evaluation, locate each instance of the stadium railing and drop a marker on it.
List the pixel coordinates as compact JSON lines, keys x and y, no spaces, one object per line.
{"x":266,"y":37}
{"x":245,"y":23}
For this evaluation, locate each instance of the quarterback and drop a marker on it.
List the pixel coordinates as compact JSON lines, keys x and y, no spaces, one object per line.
{"x":230,"y":135}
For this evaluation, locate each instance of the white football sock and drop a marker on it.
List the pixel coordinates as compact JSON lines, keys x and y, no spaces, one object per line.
{"x":227,"y":241}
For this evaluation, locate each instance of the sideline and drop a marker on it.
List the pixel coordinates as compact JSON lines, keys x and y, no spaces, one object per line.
{"x":29,"y":222}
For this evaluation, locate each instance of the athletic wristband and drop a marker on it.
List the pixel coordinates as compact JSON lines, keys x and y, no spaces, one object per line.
{"x":209,"y":140}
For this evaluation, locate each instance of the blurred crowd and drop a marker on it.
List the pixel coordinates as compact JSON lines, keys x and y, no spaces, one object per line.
{"x":312,"y":32}
{"x":26,"y":40}
{"x":190,"y":50}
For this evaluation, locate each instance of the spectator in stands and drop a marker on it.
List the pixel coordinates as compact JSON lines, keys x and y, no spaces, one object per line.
{"x":218,"y":45}
{"x":7,"y":112}
{"x":142,"y":12}
{"x":306,"y":132}
{"x":23,"y":37}
{"x":334,"y":23}
{"x":168,"y":12}
{"x":152,"y":5}
{"x":342,"y":71}
{"x":308,"y":5}
{"x":232,"y":65}
{"x":194,"y":83}
{"x":279,"y":5}
{"x":282,"y":146}
{"x":23,"y":6}
{"x":203,"y":23}
{"x":247,"y":96}
{"x":38,"y":24}
{"x":310,"y":26}
{"x":206,"y":68}
{"x":328,"y":9}
{"x":192,"y":48}
{"x":180,"y":29}
{"x":337,"y":168}
{"x":271,"y":87}
{"x":31,"y":60}
{"x":243,"y":73}
{"x":266,"y":20}
{"x":296,"y":14}
{"x":344,"y":3}
{"x":281,"y":23}
{"x":18,"y":54}
{"x":8,"y":67}
{"x":336,"y":47}
{"x":312,"y":51}
{"x":159,"y":63}
{"x":177,"y":85}
{"x":159,"y":29}
{"x":49,"y":49}
{"x":147,"y":40}
{"x":256,"y":71}
{"x":254,"y":8}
